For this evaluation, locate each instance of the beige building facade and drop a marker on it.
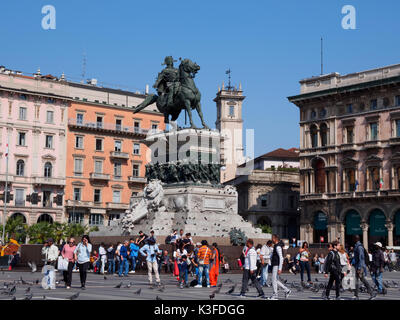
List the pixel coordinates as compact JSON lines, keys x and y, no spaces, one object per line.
{"x":350,"y":156}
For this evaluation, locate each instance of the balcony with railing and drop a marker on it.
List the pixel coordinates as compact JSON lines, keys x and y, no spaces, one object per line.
{"x":119,"y":155}
{"x":115,"y":205}
{"x":79,"y":203}
{"x":137,"y":179}
{"x":99,"y":176}
{"x":48,"y":181}
{"x":104,"y":126}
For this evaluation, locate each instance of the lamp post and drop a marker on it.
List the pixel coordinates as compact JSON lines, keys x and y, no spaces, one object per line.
{"x":5,"y":195}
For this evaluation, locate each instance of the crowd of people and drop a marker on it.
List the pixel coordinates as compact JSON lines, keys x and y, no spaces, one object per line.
{"x":201,"y":261}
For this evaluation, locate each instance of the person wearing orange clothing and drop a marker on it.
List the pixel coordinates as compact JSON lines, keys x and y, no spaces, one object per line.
{"x":214,"y":265}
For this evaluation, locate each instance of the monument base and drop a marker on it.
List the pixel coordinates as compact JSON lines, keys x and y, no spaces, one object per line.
{"x":202,"y":210}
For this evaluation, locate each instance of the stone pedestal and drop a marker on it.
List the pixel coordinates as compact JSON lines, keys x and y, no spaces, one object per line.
{"x":184,"y":190}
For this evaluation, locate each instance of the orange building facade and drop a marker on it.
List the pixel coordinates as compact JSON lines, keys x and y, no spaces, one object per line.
{"x":105,"y":159}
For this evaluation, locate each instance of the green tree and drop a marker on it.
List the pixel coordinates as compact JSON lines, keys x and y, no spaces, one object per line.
{"x":15,"y":228}
{"x":40,"y":232}
{"x":265,"y":228}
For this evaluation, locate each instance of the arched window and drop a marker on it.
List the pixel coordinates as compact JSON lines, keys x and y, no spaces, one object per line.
{"x":374,"y":179}
{"x":45,"y":218}
{"x":324,"y":134}
{"x":47,"y":169}
{"x":314,"y":136}
{"x":20,"y":167}
{"x":320,"y":227}
{"x":17,"y":215}
{"x":350,"y":180}
{"x":320,"y":176}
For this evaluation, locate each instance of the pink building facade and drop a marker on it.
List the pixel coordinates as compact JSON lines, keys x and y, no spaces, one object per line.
{"x":33,"y":124}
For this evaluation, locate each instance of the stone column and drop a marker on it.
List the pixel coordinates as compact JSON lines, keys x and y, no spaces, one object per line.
{"x":390,"y":227}
{"x":342,"y":233}
{"x":364,"y":227}
{"x":309,"y":233}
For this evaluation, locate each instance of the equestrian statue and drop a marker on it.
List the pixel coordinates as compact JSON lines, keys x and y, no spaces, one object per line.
{"x":176,"y":91}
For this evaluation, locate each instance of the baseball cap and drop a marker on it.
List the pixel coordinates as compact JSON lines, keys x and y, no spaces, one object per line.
{"x":379,"y":244}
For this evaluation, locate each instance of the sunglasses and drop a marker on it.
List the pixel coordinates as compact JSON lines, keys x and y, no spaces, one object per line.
{"x":71,"y":242}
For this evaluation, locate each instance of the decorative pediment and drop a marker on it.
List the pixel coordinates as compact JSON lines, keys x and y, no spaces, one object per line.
{"x":78,"y":183}
{"x":349,"y":162}
{"x":117,"y":186}
{"x":49,"y":157}
{"x":373,"y":159}
{"x":395,"y":158}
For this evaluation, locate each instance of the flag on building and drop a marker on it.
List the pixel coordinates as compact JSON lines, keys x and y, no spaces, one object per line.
{"x":381,"y":184}
{"x":7,"y":150}
{"x":356,"y":187}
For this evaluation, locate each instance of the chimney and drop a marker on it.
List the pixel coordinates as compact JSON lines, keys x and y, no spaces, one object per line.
{"x":92,"y":82}
{"x":147,"y":89}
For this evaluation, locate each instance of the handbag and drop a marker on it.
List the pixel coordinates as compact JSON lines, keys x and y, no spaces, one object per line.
{"x":62,"y":264}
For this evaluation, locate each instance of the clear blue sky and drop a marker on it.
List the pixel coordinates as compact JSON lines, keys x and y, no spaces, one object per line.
{"x":269,"y":46}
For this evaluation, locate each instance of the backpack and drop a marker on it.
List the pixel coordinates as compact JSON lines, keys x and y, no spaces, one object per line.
{"x":366,"y":258}
{"x":168,"y":239}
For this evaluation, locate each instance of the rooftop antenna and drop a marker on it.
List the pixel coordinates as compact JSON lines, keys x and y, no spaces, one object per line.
{"x":322,"y":56}
{"x":83,"y":67}
{"x":228,"y":72}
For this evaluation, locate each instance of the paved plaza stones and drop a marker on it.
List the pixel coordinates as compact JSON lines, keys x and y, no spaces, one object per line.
{"x":97,"y":288}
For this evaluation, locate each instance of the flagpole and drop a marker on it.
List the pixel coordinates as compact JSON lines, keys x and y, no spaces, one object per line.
{"x":5,"y":196}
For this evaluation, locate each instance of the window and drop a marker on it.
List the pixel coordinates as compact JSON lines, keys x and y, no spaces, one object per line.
{"x":112,"y":217}
{"x":314,"y":136}
{"x":99,"y":144}
{"x":374,"y":104}
{"x":49,"y":141}
{"x":349,"y":108}
{"x":98,"y":166}
{"x":78,"y":166}
{"x":136,"y":148}
{"x":398,"y":128}
{"x":77,"y":194}
{"x":154,"y":126}
{"x":47,"y":169}
{"x":117,"y":169}
{"x":20,"y":167}
{"x":118,"y":124}
{"x":322,"y":113}
{"x":313,"y":114}
{"x":50,"y":116}
{"x":22,"y":113}
{"x":97,"y":195}
{"x":324,"y":134}
{"x":117,"y":145}
{"x":136,"y":126}
{"x":264,"y":201}
{"x":21,"y":138}
{"x":75,"y":217}
{"x":397,"y":101}
{"x":79,"y":118}
{"x":99,"y":122}
{"x":136,"y":170}
{"x":374,"y":183}
{"x":231,"y":111}
{"x":350,"y":135}
{"x":373,"y":127}
{"x":351,"y":180}
{"x":79,"y":142}
{"x":50,"y":100}
{"x":23,"y":97}
{"x":19,"y":197}
{"x":116,"y":196}
{"x":96,"y":219}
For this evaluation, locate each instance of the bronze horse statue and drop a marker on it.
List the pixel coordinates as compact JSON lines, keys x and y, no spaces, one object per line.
{"x":176,"y":92}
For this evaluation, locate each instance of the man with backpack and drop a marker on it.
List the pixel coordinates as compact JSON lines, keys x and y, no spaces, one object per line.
{"x":334,"y":269}
{"x":360,"y":262}
{"x":377,"y":265}
{"x":277,"y":263}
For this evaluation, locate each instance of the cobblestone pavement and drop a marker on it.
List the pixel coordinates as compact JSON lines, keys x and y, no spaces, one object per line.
{"x":98,"y":288}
